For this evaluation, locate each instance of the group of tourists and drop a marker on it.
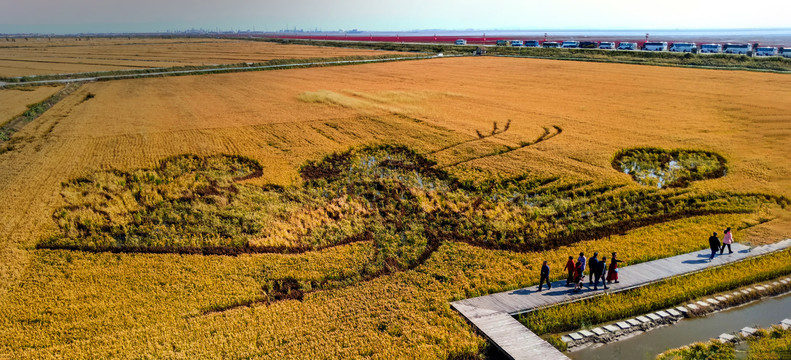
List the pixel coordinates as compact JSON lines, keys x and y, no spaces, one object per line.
{"x":597,"y":270}
{"x":714,"y":243}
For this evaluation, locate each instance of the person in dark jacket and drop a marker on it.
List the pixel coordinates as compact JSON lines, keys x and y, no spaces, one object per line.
{"x":599,"y":270}
{"x":714,"y":244}
{"x":570,"y":268}
{"x":592,"y":263}
{"x":544,"y":276}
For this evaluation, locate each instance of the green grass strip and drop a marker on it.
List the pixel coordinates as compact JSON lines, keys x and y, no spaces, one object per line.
{"x":33,"y":111}
{"x":767,"y":344}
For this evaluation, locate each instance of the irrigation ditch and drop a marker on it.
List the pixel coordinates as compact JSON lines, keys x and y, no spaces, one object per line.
{"x":706,"y":318}
{"x":514,"y":320}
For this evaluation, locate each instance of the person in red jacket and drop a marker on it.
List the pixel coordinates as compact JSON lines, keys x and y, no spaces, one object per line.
{"x":570,"y":268}
{"x":612,"y":271}
{"x":578,"y":271}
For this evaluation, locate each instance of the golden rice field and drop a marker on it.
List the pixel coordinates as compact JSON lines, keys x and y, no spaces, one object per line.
{"x":15,"y":101}
{"x":84,"y":304}
{"x":38,"y":56}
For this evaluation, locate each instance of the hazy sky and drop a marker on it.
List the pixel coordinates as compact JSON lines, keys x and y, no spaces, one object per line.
{"x":71,"y":16}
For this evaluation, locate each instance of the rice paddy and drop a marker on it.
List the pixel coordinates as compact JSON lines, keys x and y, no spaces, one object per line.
{"x":40,"y":56}
{"x":375,"y":193}
{"x":14,"y":102}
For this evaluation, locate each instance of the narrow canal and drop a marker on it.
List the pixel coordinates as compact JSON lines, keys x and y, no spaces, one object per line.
{"x":763,"y":313}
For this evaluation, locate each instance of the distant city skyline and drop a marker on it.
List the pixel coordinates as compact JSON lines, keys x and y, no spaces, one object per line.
{"x":92,"y":16}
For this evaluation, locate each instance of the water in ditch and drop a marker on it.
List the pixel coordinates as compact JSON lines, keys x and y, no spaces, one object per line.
{"x":648,"y":345}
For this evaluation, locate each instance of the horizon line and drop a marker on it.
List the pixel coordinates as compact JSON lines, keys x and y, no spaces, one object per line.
{"x":357,"y":31}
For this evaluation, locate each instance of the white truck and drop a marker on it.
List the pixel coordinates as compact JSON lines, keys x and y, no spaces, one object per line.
{"x":461,"y":42}
{"x":655,"y":46}
{"x":766,"y":51}
{"x":516,"y":43}
{"x":608,"y":45}
{"x":710,"y":48}
{"x":627,"y":46}
{"x":785,"y":52}
{"x":570,"y":44}
{"x":683,"y":47}
{"x":742,"y":49}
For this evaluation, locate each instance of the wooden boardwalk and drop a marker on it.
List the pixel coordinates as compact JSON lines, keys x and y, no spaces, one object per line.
{"x":493,"y":314}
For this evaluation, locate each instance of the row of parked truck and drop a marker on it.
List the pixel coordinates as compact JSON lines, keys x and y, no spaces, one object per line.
{"x":687,"y":47}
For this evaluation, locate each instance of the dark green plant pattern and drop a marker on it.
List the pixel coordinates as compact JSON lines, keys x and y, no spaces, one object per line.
{"x":390,"y":196}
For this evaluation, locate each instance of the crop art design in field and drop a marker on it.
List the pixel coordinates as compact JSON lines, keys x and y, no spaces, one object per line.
{"x":391,"y":197}
{"x":669,"y":168}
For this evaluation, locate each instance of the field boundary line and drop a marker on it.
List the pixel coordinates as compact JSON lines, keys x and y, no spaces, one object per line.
{"x":494,"y":50}
{"x":628,"y":62}
{"x":218,"y":70}
{"x":34,"y":111}
{"x":220,"y":250}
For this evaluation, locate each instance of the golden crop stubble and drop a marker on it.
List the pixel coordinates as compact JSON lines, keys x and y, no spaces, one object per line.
{"x":145,"y":299}
{"x":134,"y":124}
{"x":89,"y":55}
{"x":14,"y":102}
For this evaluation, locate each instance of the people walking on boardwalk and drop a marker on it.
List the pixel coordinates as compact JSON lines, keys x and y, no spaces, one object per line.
{"x":570,"y":268}
{"x":727,"y":239}
{"x":612,"y":271}
{"x":592,"y":263}
{"x":714,"y":244}
{"x":582,"y":260}
{"x":598,"y":271}
{"x":578,"y":269}
{"x":544,"y":276}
